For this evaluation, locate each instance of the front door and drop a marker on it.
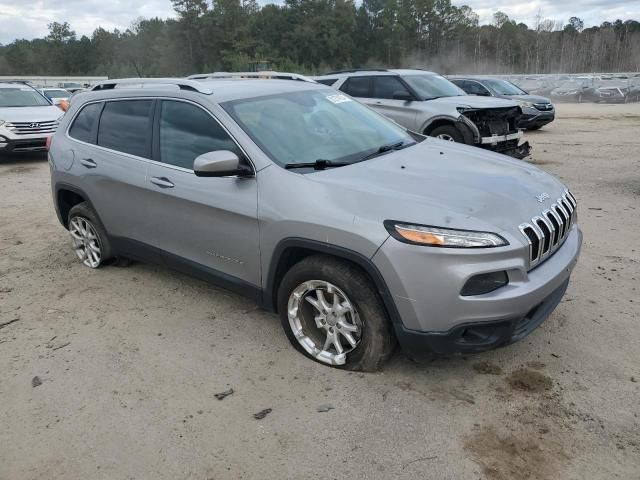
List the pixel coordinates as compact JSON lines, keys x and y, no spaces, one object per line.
{"x":209,"y":224}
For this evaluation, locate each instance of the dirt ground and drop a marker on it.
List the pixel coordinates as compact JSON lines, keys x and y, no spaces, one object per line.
{"x":128,"y":360}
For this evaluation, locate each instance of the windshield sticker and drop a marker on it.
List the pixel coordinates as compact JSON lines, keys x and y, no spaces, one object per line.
{"x":339,"y":98}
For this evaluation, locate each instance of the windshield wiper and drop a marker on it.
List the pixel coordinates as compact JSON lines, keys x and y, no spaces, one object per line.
{"x":320,"y":164}
{"x":387,"y":148}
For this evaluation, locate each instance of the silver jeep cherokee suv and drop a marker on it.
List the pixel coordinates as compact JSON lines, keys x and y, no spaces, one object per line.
{"x":355,"y":230}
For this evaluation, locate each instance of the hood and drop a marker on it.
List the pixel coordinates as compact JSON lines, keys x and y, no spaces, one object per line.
{"x":30,"y":114}
{"x":531,"y":98}
{"x":473,"y":101}
{"x":443,"y":184}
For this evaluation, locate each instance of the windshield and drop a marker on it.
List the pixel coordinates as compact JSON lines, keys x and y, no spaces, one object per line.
{"x":433,"y":86}
{"x":302,"y":127}
{"x":57,"y":93}
{"x":71,"y":85}
{"x":21,"y":97}
{"x":502,"y":87}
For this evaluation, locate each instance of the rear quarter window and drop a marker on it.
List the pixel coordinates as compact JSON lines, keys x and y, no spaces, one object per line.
{"x":85,"y":125}
{"x":327,"y":81}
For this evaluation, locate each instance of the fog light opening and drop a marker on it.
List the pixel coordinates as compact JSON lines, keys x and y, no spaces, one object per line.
{"x":484,"y":283}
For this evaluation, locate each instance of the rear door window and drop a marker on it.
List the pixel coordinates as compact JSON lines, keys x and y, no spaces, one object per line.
{"x":126,"y":126}
{"x":357,"y":87}
{"x":85,"y":126}
{"x":385,"y":87}
{"x":188,"y":131}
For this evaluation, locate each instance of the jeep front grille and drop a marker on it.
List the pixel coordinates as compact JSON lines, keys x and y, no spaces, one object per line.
{"x":548,"y":231}
{"x":32,"y":128}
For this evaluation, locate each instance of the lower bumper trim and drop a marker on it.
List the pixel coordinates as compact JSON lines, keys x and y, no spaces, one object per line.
{"x":477,"y":337}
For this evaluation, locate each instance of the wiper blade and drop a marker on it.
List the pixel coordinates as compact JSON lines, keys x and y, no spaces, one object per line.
{"x":387,"y":148}
{"x":320,"y":164}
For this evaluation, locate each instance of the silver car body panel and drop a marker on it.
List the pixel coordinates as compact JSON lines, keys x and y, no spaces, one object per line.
{"x":236,"y":226}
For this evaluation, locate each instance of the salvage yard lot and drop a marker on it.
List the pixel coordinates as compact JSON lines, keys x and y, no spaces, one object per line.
{"x":129,"y":360}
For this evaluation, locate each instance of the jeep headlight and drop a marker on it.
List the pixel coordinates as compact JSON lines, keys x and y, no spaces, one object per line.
{"x":443,"y":237}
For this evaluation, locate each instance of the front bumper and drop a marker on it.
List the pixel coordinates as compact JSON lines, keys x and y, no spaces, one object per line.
{"x":425,"y":284}
{"x":536,"y":118}
{"x":25,"y":144}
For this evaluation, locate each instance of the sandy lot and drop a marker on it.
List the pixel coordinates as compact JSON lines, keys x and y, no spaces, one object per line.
{"x":129,"y":359}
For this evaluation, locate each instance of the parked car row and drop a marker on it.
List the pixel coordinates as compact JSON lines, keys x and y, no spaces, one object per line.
{"x":356,"y":230}
{"x":582,"y":88}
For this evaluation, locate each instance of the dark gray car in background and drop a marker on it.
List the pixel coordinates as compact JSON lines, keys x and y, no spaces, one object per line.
{"x":355,"y":230}
{"x":537,"y":111}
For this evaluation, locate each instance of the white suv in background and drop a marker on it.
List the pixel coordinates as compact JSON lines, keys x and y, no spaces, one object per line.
{"x":27,"y":118}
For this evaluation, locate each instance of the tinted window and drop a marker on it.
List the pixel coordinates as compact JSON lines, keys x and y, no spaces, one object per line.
{"x":187,"y":131}
{"x":85,"y":125}
{"x":474,"y":88}
{"x":327,"y":81}
{"x":125,"y":126}
{"x":356,"y":86}
{"x":385,"y":87}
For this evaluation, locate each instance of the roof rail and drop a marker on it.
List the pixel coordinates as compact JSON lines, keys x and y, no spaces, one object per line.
{"x":181,"y":83}
{"x":267,"y":74}
{"x":354,"y":70}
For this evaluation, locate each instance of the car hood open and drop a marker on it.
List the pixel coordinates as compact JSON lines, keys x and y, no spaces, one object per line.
{"x":443,"y":184}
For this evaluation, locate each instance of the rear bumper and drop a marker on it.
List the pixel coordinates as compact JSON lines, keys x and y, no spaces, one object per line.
{"x":22,"y":145}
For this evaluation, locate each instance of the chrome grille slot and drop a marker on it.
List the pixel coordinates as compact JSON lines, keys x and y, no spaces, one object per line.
{"x":547,"y":232}
{"x":32,"y":128}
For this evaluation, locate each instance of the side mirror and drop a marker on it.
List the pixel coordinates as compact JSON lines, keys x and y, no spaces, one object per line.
{"x":402,"y":95}
{"x":220,"y":163}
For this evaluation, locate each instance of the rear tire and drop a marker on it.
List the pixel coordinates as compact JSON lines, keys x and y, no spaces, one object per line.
{"x":89,"y":238}
{"x":323,"y":300}
{"x":447,"y":132}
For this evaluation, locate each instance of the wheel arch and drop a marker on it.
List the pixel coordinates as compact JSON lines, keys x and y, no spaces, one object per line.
{"x":432,"y":123}
{"x":290,"y":251}
{"x":66,"y":197}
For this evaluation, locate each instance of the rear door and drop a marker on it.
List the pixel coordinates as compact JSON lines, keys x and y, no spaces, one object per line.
{"x":209,"y":224}
{"x":112,"y":141}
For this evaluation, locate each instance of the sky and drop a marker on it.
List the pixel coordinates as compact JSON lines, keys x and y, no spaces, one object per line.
{"x":29,"y":18}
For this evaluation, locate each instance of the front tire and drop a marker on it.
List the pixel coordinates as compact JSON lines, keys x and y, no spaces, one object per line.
{"x":331,"y":312}
{"x":88,"y":237}
{"x":448,"y":133}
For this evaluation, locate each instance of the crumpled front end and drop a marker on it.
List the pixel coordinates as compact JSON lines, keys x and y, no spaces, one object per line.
{"x":496,"y":129}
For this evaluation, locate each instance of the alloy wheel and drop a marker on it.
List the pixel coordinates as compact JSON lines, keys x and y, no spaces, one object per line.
{"x":324,"y":321}
{"x":446,"y":136}
{"x":85,"y":242}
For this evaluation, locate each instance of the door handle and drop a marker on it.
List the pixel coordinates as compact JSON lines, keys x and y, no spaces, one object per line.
{"x":162,"y":182}
{"x":88,"y":162}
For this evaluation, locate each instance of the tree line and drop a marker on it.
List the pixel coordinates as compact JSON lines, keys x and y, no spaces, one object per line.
{"x":313,"y":36}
